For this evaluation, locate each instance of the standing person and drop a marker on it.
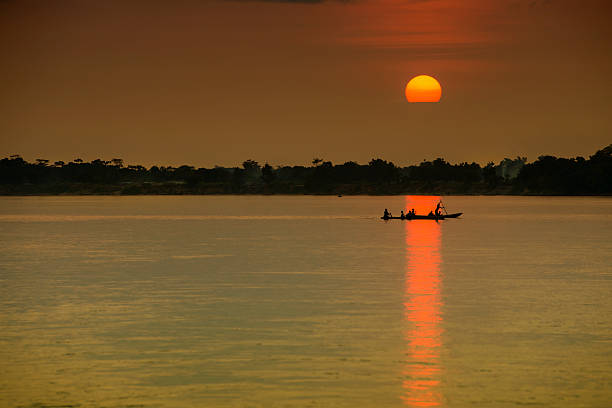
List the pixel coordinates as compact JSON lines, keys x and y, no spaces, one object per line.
{"x":438,"y":208}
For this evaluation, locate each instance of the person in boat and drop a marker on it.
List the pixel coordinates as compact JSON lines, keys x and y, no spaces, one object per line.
{"x":386,"y":214}
{"x":437,"y":213}
{"x":412,"y":211}
{"x":431,"y":214}
{"x":402,"y":216}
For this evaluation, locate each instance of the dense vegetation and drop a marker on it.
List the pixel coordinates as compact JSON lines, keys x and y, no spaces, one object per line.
{"x":547,"y":175}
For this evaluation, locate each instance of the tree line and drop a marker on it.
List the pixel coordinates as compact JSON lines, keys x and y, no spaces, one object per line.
{"x":548,"y":175}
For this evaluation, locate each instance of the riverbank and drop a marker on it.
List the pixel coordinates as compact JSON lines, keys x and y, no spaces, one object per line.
{"x":130,"y":189}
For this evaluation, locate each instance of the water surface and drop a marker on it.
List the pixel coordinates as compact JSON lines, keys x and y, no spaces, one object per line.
{"x":246,"y":301}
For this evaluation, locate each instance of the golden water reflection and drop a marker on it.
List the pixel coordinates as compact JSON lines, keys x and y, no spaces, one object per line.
{"x":422,"y":307}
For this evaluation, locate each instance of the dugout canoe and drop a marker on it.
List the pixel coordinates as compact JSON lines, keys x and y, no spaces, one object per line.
{"x":423,"y":217}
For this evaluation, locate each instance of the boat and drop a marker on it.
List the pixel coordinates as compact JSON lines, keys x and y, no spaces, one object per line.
{"x":423,"y":217}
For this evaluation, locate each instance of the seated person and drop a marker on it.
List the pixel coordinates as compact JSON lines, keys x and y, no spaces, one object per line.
{"x":430,"y":214}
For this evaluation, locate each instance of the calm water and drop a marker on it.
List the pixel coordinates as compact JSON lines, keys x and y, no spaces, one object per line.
{"x":304,"y":301}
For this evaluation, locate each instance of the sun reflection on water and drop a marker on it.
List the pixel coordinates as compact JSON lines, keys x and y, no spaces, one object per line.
{"x":422,"y":307}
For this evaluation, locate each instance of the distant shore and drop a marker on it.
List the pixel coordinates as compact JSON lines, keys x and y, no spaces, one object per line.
{"x":181,"y":188}
{"x":547,"y":176}
{"x":173,"y":190}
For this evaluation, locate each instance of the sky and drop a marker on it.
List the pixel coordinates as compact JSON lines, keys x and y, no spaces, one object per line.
{"x":217,"y":82}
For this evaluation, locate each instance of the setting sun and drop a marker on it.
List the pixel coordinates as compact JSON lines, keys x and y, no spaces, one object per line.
{"x":423,"y":88}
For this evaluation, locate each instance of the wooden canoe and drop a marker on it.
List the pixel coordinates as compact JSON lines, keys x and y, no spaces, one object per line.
{"x":423,"y":217}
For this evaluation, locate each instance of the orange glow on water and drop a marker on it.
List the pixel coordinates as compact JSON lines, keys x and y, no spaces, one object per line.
{"x":422,"y":307}
{"x":423,"y":88}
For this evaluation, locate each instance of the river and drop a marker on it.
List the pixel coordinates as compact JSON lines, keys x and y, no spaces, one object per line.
{"x":303,"y":301}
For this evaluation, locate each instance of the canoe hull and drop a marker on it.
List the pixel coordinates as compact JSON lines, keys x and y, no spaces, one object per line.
{"x":423,"y":217}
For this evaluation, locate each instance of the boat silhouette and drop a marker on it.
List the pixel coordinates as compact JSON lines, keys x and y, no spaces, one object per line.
{"x":423,"y":217}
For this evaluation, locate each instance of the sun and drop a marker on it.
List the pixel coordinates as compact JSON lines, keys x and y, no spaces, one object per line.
{"x":423,"y":88}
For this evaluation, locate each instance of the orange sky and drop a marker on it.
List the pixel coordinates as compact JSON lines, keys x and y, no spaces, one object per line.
{"x":218,"y":82}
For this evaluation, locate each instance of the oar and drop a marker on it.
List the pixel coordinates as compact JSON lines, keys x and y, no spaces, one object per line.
{"x":443,"y":207}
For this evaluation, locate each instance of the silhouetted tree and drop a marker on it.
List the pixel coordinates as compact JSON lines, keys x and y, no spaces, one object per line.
{"x":547,"y":175}
{"x":489,"y":175}
{"x":250,"y":165}
{"x":382,"y":170}
{"x":509,"y":169}
{"x":267,"y":174}
{"x":252,"y":172}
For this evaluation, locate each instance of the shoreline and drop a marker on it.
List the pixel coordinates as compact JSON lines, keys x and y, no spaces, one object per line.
{"x":119,"y":194}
